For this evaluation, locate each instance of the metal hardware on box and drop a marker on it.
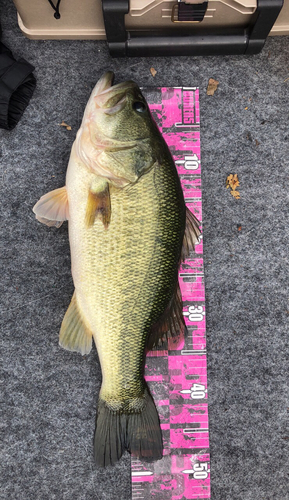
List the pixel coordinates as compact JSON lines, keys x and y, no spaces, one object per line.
{"x":189,"y":12}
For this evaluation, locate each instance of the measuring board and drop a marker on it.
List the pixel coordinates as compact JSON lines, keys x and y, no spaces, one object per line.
{"x":177,"y":374}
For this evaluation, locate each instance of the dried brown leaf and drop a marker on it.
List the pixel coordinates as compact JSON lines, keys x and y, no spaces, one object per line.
{"x":232,"y":182}
{"x":153,"y":72}
{"x":63,"y":124}
{"x":212,"y":86}
{"x":235,"y":182}
{"x":229,"y":181}
{"x":236,"y":194}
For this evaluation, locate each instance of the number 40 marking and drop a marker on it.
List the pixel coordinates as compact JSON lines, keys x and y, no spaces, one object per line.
{"x":197,"y":391}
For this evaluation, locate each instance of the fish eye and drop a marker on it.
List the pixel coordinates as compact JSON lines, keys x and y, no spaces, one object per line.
{"x":139,"y":107}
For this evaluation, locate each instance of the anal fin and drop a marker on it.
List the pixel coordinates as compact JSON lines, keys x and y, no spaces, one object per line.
{"x":74,"y":334}
{"x":171,"y":324}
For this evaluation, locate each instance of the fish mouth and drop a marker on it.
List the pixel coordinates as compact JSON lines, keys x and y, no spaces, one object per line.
{"x":110,"y":98}
{"x":106,"y":97}
{"x":103,"y":84}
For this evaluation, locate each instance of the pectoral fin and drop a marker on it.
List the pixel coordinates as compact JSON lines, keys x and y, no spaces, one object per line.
{"x":171,"y":324}
{"x":52,"y":208}
{"x":98,"y":205}
{"x":192,"y":233}
{"x":74,"y":334}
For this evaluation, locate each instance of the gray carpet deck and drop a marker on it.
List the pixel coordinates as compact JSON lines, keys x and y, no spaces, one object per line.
{"x":49,"y":395}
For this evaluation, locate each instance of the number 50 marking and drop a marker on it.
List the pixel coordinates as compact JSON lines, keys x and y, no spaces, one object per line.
{"x":200,"y":470}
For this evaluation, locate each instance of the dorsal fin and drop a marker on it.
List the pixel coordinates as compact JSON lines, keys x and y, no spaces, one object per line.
{"x":191,"y":236}
{"x":171,"y":324}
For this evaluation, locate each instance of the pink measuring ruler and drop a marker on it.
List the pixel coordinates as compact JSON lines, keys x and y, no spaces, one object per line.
{"x":177,"y":375}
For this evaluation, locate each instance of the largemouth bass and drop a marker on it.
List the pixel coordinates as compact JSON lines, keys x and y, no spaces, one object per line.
{"x":129,"y":229}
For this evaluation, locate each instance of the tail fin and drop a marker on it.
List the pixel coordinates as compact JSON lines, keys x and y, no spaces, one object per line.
{"x":138,"y":432}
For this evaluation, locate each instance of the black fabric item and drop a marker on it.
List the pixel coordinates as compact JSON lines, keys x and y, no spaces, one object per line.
{"x":17,"y":84}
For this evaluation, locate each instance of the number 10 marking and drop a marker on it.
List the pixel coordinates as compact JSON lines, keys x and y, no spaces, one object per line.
{"x":190,"y":162}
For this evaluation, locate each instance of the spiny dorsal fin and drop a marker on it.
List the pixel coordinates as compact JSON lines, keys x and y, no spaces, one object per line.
{"x":191,"y":236}
{"x":52,"y":208}
{"x":98,"y":205}
{"x":171,"y":324}
{"x":74,"y":334}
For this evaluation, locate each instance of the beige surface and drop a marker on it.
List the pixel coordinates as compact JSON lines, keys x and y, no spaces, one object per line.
{"x":37,"y":21}
{"x":281,"y":27}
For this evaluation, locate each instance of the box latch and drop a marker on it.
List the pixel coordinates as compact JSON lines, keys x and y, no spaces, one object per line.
{"x":185,"y":12}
